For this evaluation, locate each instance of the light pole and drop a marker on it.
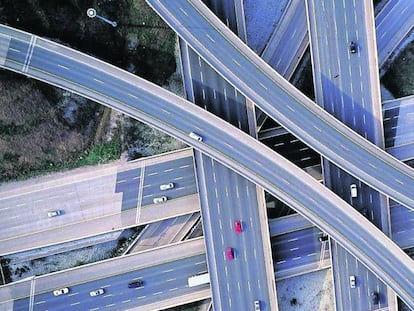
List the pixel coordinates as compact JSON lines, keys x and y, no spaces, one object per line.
{"x":91,"y":12}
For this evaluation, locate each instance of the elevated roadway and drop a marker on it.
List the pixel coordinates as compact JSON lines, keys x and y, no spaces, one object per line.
{"x":192,"y":20}
{"x":175,"y":116}
{"x":352,"y":95}
{"x":289,"y":40}
{"x":164,"y":272}
{"x":226,"y":196}
{"x":393,"y":23}
{"x":95,"y":201}
{"x":398,"y":117}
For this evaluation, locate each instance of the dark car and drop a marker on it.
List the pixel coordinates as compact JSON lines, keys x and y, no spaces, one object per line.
{"x":375,"y":298}
{"x":353,"y":47}
{"x":323,"y":237}
{"x":136,"y":284}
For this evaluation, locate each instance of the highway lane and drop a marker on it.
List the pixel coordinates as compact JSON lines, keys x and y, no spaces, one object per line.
{"x":402,"y":224}
{"x":165,"y":232}
{"x":398,"y":119}
{"x":289,"y":40}
{"x":275,"y":96}
{"x":352,"y":95}
{"x":216,"y":95}
{"x":158,"y":108}
{"x":393,"y":23}
{"x":230,"y":197}
{"x":297,"y":248}
{"x":97,"y":199}
{"x":160,"y":282}
{"x":226,"y":11}
{"x":219,"y":184}
{"x":180,"y":172}
{"x":357,"y":298}
{"x":395,"y":12}
{"x":292,"y":149}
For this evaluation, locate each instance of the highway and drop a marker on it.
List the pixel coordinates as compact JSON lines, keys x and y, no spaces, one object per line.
{"x":284,"y":103}
{"x":160,"y":108}
{"x":288,"y":41}
{"x":112,"y":205}
{"x":402,"y":226}
{"x":398,"y":118}
{"x":393,"y":23}
{"x":164,"y":232}
{"x":226,"y":197}
{"x":164,"y":277}
{"x":352,"y":95}
{"x":396,"y":13}
{"x":297,"y":251}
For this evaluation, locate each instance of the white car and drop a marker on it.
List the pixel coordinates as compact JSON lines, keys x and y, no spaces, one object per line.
{"x":170,"y":185}
{"x":195,"y":136}
{"x":61,"y":291}
{"x":96,"y":292}
{"x":354,"y":190}
{"x":352,"y":281}
{"x":160,"y":199}
{"x":54,"y":214}
{"x":257,"y":305}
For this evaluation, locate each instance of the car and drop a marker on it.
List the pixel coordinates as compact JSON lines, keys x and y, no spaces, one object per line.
{"x":257,"y":305}
{"x":170,"y":185}
{"x":159,"y":199}
{"x":354,"y":190}
{"x":352,"y":281}
{"x":229,"y":253}
{"x":375,"y":298}
{"x":238,"y":226}
{"x":353,"y":47}
{"x":61,"y":291}
{"x":54,"y":213}
{"x":195,"y":136}
{"x":323,"y":237}
{"x":96,"y":292}
{"x":136,"y":284}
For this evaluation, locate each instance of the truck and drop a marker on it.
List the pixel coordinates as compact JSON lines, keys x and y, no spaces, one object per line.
{"x":198,"y":279}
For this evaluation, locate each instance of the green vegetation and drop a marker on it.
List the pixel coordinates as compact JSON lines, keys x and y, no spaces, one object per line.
{"x":399,"y":79}
{"x":102,"y":153}
{"x":141,"y":42}
{"x":43,"y":129}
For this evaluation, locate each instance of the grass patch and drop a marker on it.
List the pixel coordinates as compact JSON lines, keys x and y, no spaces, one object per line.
{"x":101,"y":153}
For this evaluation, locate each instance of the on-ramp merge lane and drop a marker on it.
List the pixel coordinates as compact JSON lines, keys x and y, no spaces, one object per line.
{"x":202,"y":30}
{"x":175,"y":116}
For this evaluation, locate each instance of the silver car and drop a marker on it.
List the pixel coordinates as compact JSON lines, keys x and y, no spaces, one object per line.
{"x":61,"y":291}
{"x":159,"y":199}
{"x":170,"y":185}
{"x":96,"y":292}
{"x":195,"y":136}
{"x":354,"y":190}
{"x":54,"y":213}
{"x":352,"y":281}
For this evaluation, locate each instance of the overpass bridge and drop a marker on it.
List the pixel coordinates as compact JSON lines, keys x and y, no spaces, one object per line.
{"x":95,"y":201}
{"x":159,"y":108}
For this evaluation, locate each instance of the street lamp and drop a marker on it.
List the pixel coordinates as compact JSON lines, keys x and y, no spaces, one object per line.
{"x":91,"y":12}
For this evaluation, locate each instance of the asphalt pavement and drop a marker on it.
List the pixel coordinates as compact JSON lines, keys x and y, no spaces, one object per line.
{"x":177,"y":111}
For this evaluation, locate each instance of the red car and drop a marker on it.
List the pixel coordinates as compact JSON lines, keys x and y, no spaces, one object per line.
{"x":229,"y":253}
{"x":238,"y":226}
